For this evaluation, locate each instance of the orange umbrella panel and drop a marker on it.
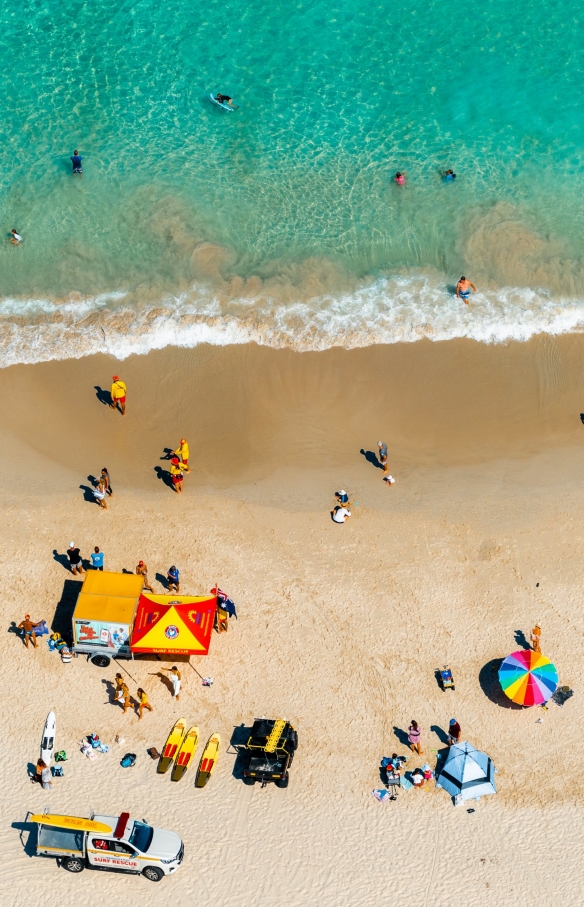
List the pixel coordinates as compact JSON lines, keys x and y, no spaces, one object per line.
{"x":174,"y":624}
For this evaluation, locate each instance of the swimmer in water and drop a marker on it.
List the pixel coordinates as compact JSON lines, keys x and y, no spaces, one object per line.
{"x":448,"y":175}
{"x":400,"y":178}
{"x":463,"y":288}
{"x":224,"y":99}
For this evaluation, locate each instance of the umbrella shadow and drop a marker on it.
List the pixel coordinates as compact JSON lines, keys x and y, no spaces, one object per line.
{"x":489,"y":682}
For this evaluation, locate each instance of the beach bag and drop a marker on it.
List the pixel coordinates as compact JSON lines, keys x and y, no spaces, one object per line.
{"x":57,"y":771}
{"x":94,"y":740}
{"x":61,"y":756}
{"x":128,"y":760}
{"x":153,"y":753}
{"x":65,"y":655}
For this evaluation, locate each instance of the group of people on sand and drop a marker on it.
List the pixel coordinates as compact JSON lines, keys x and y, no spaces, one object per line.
{"x":394,"y":766}
{"x":141,"y":701}
{"x":97,"y":559}
{"x":341,"y":512}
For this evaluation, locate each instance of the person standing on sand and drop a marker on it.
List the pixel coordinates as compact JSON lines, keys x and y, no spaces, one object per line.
{"x":142,"y":570}
{"x":46,"y":782}
{"x":123,"y":695}
{"x":176,"y":474}
{"x":536,"y":638}
{"x":173,"y":579}
{"x":99,"y":494}
{"x":463,"y":288}
{"x":105,"y":478}
{"x":415,"y":737}
{"x":118,"y":394}
{"x":97,"y":559}
{"x":383,"y":455}
{"x":28,"y":627}
{"x":182,"y":453}
{"x":454,"y":732}
{"x":175,"y":679}
{"x":74,"y":556}
{"x":143,"y":703}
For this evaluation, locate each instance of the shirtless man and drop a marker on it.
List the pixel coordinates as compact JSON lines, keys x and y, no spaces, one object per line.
{"x":463,"y":288}
{"x":142,"y":570}
{"x":27,"y":626}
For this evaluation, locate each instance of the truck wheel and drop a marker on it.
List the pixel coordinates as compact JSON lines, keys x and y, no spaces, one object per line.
{"x":283,"y":782}
{"x":73,"y":864}
{"x":153,"y":873}
{"x":101,"y":661}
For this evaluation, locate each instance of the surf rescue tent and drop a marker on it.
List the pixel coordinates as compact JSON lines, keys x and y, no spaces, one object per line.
{"x":467,"y":773}
{"x":104,"y":613}
{"x":174,"y":624}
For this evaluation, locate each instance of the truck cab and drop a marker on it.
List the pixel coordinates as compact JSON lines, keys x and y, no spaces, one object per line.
{"x":118,"y":843}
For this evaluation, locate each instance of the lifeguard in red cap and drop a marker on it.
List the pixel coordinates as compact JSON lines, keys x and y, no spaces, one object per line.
{"x":118,"y":395}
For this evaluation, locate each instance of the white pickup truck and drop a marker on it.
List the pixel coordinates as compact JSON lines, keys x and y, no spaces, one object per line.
{"x":109,"y":842}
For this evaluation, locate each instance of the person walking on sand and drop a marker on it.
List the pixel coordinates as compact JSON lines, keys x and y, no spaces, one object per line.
{"x":74,"y":555}
{"x":143,"y":703}
{"x":28,"y":627}
{"x":463,"y":288}
{"x":123,"y":695}
{"x":99,"y":494}
{"x":173,"y":579}
{"x":97,"y":559}
{"x":383,"y":455}
{"x":118,"y":394}
{"x":536,"y":638}
{"x":182,"y":453}
{"x":105,"y":478}
{"x":415,"y":737}
{"x":176,"y":474}
{"x":142,"y":570}
{"x":175,"y":679}
{"x":454,"y":732}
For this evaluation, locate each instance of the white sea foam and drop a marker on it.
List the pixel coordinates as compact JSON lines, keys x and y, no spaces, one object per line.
{"x":389,"y":310}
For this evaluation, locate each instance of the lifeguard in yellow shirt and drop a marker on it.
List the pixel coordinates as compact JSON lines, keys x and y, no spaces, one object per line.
{"x":118,"y":395}
{"x":182,"y":453}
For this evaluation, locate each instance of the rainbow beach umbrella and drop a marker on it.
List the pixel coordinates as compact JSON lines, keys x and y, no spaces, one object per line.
{"x":528,"y":678}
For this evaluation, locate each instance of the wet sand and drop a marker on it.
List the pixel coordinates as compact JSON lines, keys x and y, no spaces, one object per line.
{"x":341,"y":628}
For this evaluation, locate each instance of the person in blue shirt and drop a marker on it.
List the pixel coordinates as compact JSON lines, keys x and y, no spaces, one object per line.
{"x":97,"y":559}
{"x":76,"y":161}
{"x":448,"y":175}
{"x":173,"y":579}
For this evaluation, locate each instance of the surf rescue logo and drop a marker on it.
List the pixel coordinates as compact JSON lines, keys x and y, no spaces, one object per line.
{"x":171,"y":632}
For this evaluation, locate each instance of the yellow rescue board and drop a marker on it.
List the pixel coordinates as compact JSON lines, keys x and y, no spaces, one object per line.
{"x":77,"y":823}
{"x":208,"y":760}
{"x":172,"y":746}
{"x":185,"y":754}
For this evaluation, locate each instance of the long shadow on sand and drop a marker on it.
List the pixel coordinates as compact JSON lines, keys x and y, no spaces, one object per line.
{"x":372,"y":458}
{"x":164,"y":476}
{"x":489,"y":681}
{"x":102,"y":395}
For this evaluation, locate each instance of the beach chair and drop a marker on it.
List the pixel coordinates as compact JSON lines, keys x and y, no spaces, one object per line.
{"x":393,"y":783}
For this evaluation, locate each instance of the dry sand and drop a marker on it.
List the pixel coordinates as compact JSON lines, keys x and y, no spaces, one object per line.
{"x":340,"y":628}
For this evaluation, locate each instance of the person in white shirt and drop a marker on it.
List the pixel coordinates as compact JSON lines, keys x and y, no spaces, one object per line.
{"x":340,"y":514}
{"x":16,"y":238}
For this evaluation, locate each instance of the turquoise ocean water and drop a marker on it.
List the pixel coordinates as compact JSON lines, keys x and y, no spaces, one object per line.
{"x":280,"y":222}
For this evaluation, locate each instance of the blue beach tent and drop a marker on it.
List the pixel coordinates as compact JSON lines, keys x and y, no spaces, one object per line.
{"x":467,"y":774}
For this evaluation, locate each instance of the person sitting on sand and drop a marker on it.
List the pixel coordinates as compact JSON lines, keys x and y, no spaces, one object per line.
{"x":340,"y":514}
{"x":463,"y":288}
{"x":28,"y":627}
{"x":342,"y":497}
{"x":418,"y":778}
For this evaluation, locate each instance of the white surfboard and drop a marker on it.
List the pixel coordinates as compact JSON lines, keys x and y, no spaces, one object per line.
{"x":221,"y":104}
{"x":48,"y":738}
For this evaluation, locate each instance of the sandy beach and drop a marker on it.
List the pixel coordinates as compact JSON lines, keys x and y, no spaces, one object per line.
{"x":341,"y":627}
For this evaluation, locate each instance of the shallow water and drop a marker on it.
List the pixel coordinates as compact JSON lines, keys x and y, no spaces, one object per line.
{"x":280,"y":222}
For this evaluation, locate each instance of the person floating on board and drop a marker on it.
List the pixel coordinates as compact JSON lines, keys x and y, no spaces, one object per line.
{"x":463,"y":288}
{"x":182,"y":453}
{"x":118,"y":394}
{"x":175,"y":679}
{"x":224,"y":99}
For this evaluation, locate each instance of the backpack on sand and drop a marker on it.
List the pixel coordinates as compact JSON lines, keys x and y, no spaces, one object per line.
{"x":128,"y":760}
